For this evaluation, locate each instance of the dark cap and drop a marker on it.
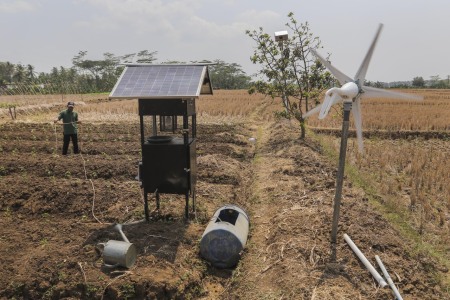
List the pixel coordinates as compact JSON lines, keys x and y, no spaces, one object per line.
{"x":70,"y":104}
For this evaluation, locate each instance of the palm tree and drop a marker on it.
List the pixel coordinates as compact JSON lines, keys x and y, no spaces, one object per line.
{"x":30,"y":73}
{"x":20,"y":74}
{"x":9,"y":71}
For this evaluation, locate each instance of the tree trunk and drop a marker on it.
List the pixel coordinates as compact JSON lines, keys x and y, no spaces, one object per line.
{"x":285,"y":103}
{"x":302,"y":129}
{"x":11,"y":113}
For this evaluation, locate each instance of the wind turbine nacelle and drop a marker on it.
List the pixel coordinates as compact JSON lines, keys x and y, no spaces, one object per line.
{"x":281,"y":36}
{"x":349,"y":91}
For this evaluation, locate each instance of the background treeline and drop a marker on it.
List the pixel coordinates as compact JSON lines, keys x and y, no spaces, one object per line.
{"x":98,"y":76}
{"x":435,"y":82}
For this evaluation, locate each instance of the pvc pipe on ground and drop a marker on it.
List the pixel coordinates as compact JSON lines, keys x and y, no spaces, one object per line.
{"x":366,"y":263}
{"x":135,"y":222}
{"x":388,"y":278}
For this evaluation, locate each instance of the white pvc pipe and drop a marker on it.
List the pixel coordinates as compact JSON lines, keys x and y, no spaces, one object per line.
{"x":388,"y":278}
{"x":366,"y":263}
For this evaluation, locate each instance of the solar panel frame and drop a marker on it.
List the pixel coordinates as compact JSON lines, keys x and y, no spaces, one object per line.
{"x":147,"y":81}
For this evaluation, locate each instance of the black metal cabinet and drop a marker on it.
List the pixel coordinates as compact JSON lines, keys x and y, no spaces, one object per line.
{"x":169,"y":163}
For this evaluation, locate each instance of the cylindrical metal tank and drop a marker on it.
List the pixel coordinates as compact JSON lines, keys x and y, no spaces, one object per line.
{"x":225,"y":236}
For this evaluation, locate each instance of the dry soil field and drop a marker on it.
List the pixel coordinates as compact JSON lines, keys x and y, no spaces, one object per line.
{"x":55,"y":210}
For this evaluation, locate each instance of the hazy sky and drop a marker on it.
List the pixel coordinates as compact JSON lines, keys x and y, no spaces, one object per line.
{"x":45,"y":33}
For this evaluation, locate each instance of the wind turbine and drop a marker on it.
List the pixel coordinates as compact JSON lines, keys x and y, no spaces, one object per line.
{"x":354,"y":90}
{"x":351,"y":93}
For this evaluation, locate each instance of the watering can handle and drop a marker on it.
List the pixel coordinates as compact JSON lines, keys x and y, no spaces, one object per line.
{"x":107,"y":265}
{"x":110,"y":266}
{"x":101,"y":246}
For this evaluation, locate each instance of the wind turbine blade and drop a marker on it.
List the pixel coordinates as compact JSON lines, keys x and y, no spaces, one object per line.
{"x":361,"y":74}
{"x":341,"y":77}
{"x":356,"y":110}
{"x":313,"y":111}
{"x":371,"y":92}
{"x":331,"y":98}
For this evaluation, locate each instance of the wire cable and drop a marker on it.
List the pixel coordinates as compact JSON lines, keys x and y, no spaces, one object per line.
{"x":84,"y":168}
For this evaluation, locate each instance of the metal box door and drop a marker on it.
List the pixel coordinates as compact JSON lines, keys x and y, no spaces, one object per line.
{"x":167,"y":166}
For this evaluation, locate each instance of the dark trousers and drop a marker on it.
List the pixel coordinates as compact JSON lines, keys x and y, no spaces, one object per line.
{"x":67,"y":138}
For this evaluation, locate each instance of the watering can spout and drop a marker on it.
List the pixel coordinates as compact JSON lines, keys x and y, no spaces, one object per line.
{"x":118,"y":227}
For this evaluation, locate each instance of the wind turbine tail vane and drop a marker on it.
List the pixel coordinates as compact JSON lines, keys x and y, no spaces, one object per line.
{"x":361,"y":74}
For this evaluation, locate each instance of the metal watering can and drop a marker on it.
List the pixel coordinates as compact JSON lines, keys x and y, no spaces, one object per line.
{"x":119,"y":253}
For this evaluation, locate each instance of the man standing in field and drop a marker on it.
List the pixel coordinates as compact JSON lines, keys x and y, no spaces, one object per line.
{"x":70,"y":123}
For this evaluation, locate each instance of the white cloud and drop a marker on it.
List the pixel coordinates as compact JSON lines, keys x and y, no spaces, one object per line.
{"x":142,"y":16}
{"x":15,"y":6}
{"x":260,"y":17}
{"x":173,"y":20}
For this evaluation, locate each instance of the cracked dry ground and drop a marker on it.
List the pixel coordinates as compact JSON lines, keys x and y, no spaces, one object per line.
{"x":50,"y":206}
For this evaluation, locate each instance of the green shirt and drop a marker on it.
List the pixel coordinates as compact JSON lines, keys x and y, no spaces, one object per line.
{"x":69,"y":119}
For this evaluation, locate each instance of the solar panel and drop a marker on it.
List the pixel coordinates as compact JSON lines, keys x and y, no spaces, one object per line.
{"x":162,"y":81}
